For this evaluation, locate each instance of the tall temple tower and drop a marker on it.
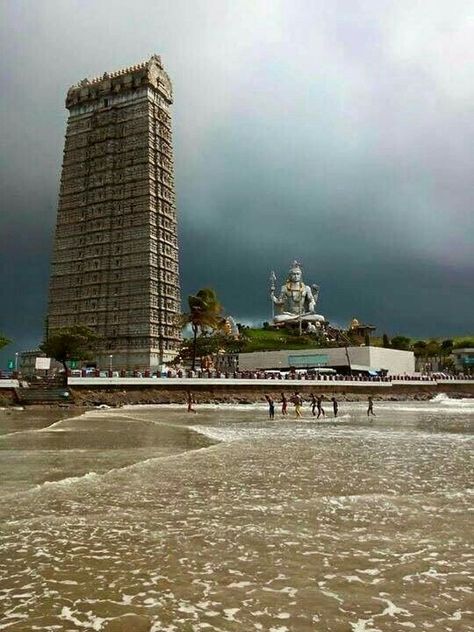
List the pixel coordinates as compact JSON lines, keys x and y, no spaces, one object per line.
{"x":115,"y":263}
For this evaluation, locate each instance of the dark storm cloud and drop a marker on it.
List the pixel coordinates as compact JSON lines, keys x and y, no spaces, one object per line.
{"x":336,"y":133}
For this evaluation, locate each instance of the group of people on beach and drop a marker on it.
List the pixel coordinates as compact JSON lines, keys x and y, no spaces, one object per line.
{"x":297,"y":401}
{"x":316,"y":405}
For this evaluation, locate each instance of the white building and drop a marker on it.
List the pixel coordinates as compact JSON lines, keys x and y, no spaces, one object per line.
{"x":464,"y":359}
{"x":343,"y":359}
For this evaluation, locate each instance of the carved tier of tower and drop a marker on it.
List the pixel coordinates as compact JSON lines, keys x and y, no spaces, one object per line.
{"x":115,"y":265}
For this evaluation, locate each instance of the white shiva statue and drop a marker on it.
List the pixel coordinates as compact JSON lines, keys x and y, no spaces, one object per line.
{"x":297,"y":302}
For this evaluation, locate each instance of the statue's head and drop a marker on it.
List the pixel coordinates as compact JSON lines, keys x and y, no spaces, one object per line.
{"x":295,"y":274}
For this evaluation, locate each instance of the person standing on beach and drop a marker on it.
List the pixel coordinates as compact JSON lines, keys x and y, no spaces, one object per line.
{"x":271,"y":407}
{"x":335,"y":406}
{"x":298,"y":402}
{"x":313,"y":404}
{"x":284,"y":405}
{"x":190,"y":401}
{"x":370,"y":409}
{"x":319,"y":404}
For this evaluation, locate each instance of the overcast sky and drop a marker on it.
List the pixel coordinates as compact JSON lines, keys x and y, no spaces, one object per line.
{"x":339,"y":133}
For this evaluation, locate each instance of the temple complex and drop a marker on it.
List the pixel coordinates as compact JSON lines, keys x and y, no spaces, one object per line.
{"x":115,"y":264}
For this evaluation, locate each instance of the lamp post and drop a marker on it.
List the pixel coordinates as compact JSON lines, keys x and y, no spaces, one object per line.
{"x":16,"y":361}
{"x":111,"y":357}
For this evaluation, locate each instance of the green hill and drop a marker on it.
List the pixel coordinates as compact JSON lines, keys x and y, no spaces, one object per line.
{"x":275,"y":340}
{"x":280,"y":339}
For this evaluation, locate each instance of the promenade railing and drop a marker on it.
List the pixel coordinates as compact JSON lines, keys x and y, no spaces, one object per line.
{"x":264,"y":375}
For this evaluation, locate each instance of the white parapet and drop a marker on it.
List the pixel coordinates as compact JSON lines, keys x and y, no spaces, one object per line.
{"x":163,"y":382}
{"x":9,"y":384}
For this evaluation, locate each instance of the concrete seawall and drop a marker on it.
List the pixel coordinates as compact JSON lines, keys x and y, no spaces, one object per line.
{"x":248,"y":391}
{"x":117,"y":392}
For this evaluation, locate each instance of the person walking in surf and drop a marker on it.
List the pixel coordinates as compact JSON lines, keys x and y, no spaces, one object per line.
{"x":284,"y":405}
{"x":319,"y":404}
{"x":190,"y":401}
{"x":298,"y":402}
{"x":335,"y":406}
{"x":271,"y":407}
{"x":313,"y":404}
{"x":370,"y":409}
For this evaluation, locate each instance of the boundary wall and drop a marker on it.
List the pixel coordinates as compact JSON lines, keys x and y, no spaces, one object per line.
{"x":122,"y":391}
{"x":175,"y":390}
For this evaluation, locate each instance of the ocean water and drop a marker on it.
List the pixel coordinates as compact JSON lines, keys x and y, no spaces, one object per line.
{"x":147,"y":518}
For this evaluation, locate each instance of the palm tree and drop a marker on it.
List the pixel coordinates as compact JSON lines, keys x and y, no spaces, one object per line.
{"x":4,"y":341}
{"x":205,"y":312}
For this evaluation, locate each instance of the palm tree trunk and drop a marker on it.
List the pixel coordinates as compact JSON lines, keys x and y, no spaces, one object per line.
{"x":348,"y":359}
{"x":65,"y":373}
{"x":195,"y":330}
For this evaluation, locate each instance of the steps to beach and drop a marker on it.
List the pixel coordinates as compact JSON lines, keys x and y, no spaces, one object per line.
{"x":42,"y":395}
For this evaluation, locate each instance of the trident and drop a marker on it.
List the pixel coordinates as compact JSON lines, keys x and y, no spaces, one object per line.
{"x":272,"y":289}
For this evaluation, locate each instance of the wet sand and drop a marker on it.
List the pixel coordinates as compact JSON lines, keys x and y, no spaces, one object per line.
{"x":44,"y":445}
{"x":278,"y":526}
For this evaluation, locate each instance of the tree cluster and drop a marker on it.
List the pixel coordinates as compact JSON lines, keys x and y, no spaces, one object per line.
{"x":428,"y":349}
{"x":207,"y":321}
{"x":70,"y":343}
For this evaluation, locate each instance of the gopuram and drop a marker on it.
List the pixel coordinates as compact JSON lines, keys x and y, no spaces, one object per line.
{"x":115,"y":265}
{"x":296,"y":303}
